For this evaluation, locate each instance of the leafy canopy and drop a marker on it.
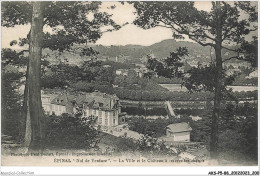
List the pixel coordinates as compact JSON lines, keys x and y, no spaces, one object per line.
{"x":68,"y":23}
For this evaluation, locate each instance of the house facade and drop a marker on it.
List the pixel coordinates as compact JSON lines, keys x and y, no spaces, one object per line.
{"x":106,"y":108}
{"x":175,"y":133}
{"x":46,"y":103}
{"x":179,"y":132}
{"x":56,"y":104}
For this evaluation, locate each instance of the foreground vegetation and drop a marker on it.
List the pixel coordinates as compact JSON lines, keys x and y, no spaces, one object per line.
{"x":238,"y":130}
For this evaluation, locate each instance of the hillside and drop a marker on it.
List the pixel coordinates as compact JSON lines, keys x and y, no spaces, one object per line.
{"x":138,"y":53}
{"x":160,"y":50}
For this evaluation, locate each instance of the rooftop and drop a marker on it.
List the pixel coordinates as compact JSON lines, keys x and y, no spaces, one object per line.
{"x":179,"y":127}
{"x":92,"y":100}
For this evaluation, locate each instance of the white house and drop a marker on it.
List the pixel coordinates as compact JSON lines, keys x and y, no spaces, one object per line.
{"x":46,"y":103}
{"x":57,"y":103}
{"x":105,"y":107}
{"x":61,"y":104}
{"x":177,"y":132}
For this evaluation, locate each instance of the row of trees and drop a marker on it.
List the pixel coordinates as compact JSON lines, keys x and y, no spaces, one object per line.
{"x":155,"y":95}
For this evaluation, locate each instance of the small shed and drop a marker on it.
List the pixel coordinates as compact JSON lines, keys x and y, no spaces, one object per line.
{"x":179,"y":132}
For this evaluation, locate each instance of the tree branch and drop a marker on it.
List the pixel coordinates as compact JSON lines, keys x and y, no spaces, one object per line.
{"x":234,"y":50}
{"x":231,"y":58}
{"x":185,"y":32}
{"x":23,"y":51}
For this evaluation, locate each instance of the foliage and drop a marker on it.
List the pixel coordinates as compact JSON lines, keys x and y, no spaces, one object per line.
{"x":199,"y":25}
{"x":134,"y":82}
{"x":66,"y":75}
{"x":67,"y":132}
{"x":12,"y":57}
{"x":232,"y":145}
{"x":11,"y":98}
{"x":168,"y":67}
{"x":157,"y":95}
{"x":127,"y":144}
{"x":10,"y":103}
{"x":250,"y":50}
{"x":143,"y":110}
{"x":153,"y":128}
{"x":222,"y":24}
{"x":68,"y":21}
{"x":149,"y":144}
{"x":201,"y":129}
{"x":119,"y":144}
{"x":238,"y":132}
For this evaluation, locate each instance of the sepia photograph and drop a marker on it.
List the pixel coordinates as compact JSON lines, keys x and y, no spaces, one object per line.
{"x":129,"y":83}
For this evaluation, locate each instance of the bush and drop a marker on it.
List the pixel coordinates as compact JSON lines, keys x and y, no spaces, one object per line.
{"x":232,"y":145}
{"x":150,"y":144}
{"x":67,"y":132}
{"x":126,"y":144}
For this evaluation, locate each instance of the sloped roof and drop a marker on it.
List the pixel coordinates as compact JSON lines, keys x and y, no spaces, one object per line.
{"x":63,"y":99}
{"x":91,"y":100}
{"x":179,"y":127}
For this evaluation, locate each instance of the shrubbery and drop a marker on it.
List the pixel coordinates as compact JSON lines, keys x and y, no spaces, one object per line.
{"x":67,"y":132}
{"x":150,"y":144}
{"x":11,"y":109}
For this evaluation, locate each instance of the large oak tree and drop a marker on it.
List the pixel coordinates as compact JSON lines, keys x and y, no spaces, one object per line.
{"x":69,"y":23}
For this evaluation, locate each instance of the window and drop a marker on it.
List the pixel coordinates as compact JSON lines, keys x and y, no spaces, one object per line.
{"x":100,"y":119}
{"x":106,"y":114}
{"x":94,"y":112}
{"x":114,"y":121}
{"x":100,"y":113}
{"x":106,"y":121}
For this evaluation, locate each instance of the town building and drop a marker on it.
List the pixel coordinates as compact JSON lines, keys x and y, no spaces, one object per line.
{"x":177,"y":132}
{"x":57,"y":103}
{"x":106,"y":108}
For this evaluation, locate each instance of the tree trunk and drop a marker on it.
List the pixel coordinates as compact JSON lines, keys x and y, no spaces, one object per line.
{"x":218,"y":87}
{"x":35,"y":124}
{"x":22,"y":131}
{"x":26,"y":124}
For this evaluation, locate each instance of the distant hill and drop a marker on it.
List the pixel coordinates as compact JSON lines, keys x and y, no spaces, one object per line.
{"x":138,"y":53}
{"x":160,"y":50}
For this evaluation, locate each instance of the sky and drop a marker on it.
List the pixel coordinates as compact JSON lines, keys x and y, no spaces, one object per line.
{"x":128,"y":34}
